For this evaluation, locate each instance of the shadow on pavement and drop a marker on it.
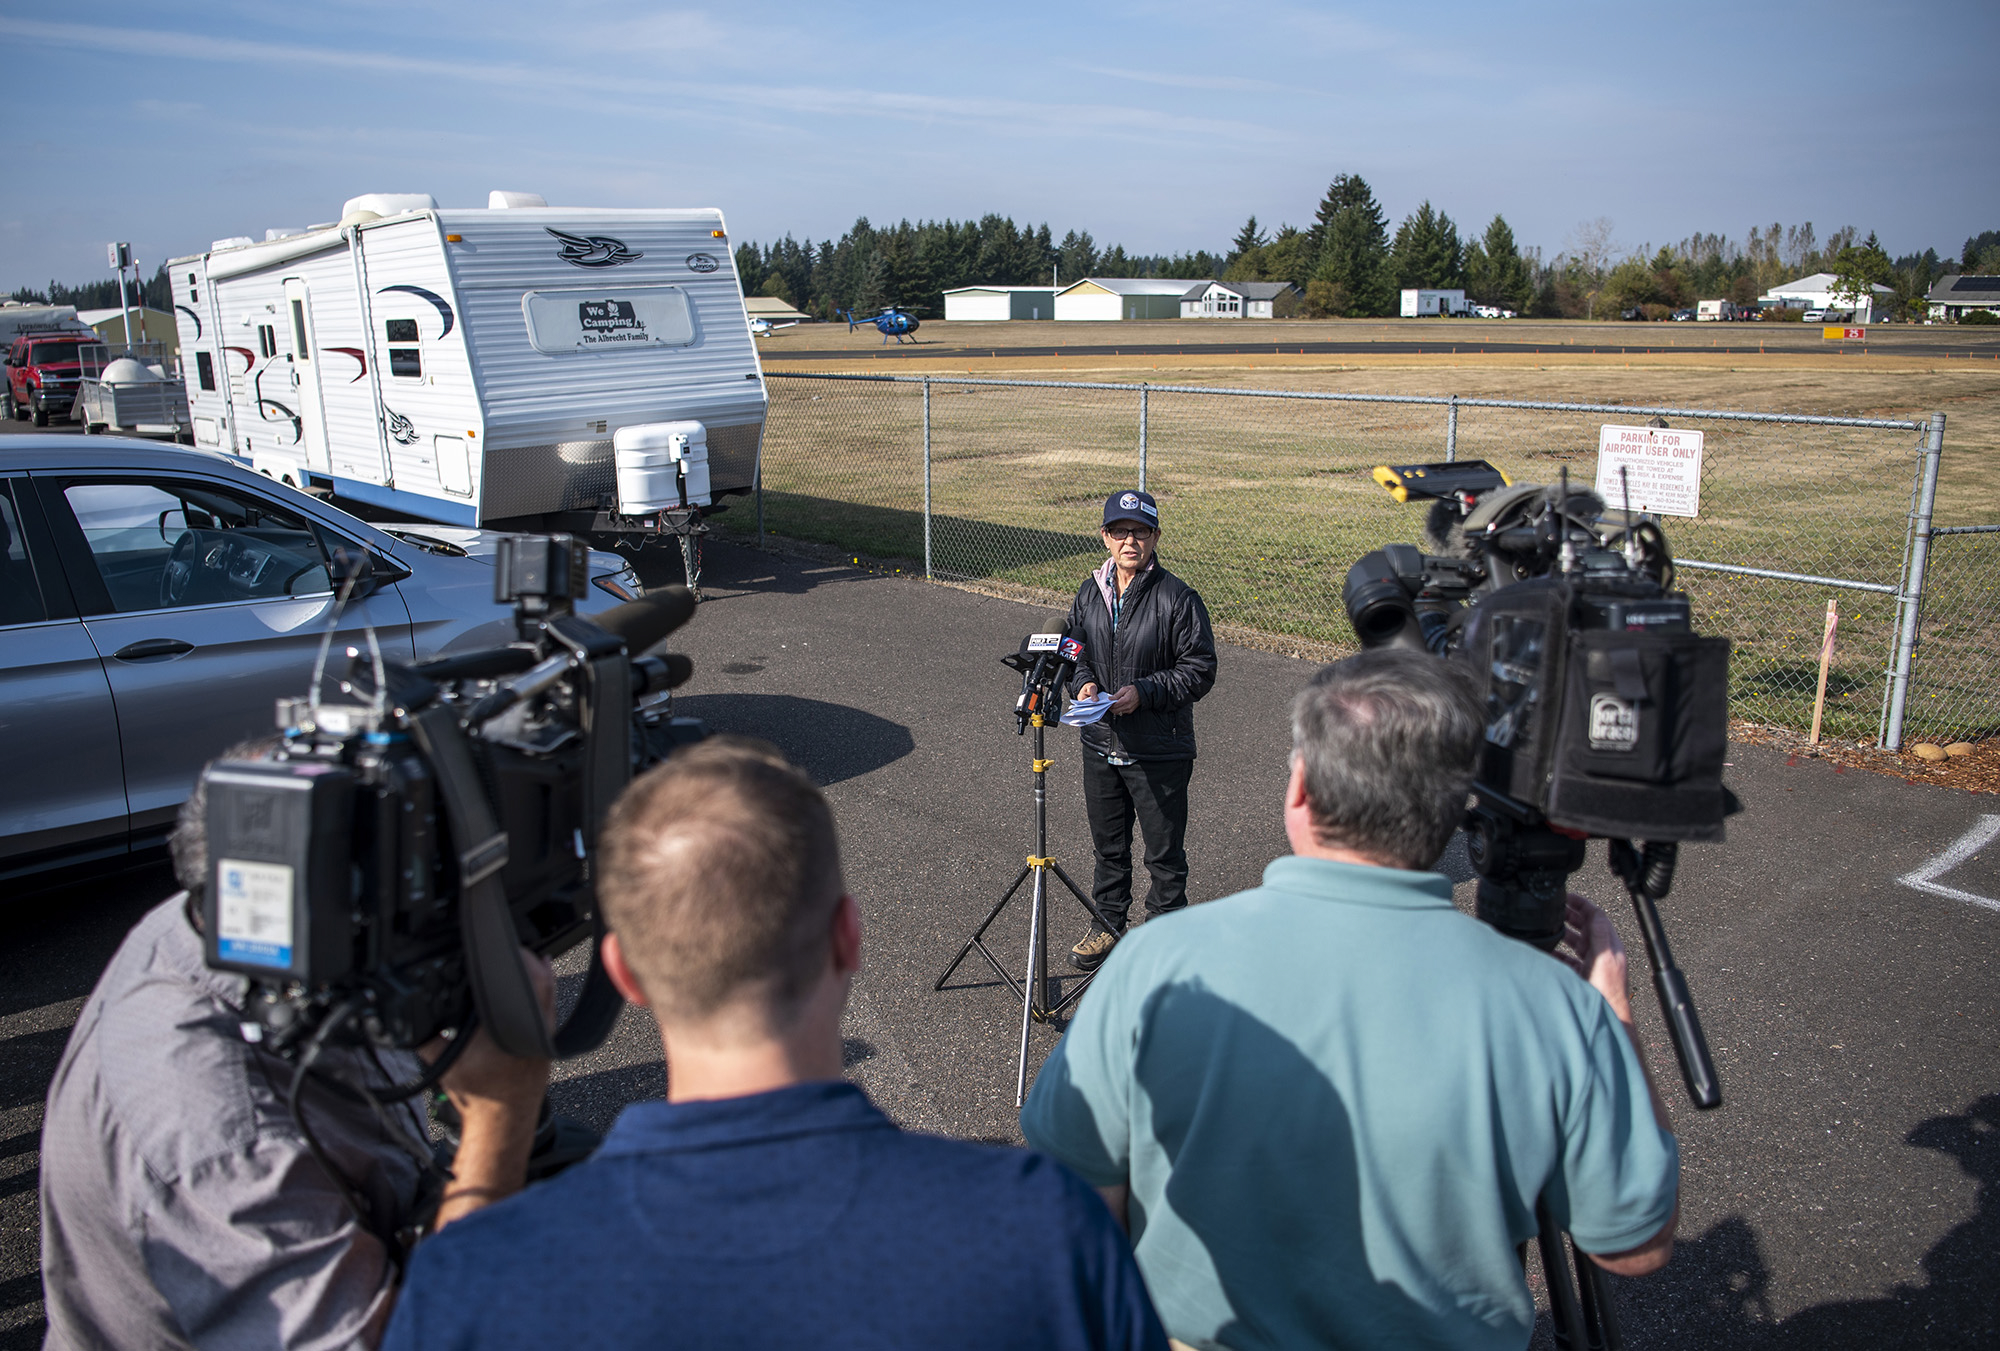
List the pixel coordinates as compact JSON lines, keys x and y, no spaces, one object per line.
{"x":1715,"y":1292}
{"x":831,"y":742}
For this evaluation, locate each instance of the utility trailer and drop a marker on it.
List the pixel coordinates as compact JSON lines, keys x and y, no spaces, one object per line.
{"x":489,"y":367}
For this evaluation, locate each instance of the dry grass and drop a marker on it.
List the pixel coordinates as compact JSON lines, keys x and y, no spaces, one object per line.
{"x":1268,"y":501}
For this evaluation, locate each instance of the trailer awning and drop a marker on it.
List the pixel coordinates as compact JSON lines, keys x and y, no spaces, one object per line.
{"x":236,"y":262}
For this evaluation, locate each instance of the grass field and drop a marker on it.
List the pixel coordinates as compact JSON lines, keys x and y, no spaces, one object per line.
{"x":1268,"y":501}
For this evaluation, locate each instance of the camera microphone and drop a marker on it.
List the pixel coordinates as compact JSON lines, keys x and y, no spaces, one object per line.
{"x":644,"y":622}
{"x":668,"y":671}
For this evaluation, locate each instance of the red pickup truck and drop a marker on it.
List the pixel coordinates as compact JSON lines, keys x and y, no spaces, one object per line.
{"x":42,"y":373}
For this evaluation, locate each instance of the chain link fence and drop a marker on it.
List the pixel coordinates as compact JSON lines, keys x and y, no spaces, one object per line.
{"x":1955,"y":688}
{"x":1267,"y":499}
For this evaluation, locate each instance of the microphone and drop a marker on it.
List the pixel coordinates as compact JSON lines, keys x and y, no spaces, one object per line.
{"x":668,"y":671}
{"x":1069,"y":652}
{"x":644,"y":622}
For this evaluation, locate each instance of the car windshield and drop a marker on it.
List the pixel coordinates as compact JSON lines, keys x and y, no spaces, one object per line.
{"x":50,"y":353}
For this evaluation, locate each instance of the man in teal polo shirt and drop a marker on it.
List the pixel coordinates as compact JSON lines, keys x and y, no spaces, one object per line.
{"x":1327,"y":1106}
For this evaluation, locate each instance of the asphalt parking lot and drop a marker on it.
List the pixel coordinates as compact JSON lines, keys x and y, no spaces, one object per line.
{"x":1846,"y":1194}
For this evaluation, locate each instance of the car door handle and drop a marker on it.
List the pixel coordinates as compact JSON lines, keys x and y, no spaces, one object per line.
{"x":152,"y":647}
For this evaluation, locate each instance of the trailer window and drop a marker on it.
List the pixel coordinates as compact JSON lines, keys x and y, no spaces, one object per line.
{"x":267,"y":339}
{"x":407,"y":362}
{"x":204,"y":368}
{"x":400,"y":330}
{"x":299,"y":330}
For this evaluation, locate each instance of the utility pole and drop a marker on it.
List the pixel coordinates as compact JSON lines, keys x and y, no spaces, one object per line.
{"x":120,"y":257}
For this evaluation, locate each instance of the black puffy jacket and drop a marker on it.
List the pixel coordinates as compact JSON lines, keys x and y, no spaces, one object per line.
{"x":1163,"y":647}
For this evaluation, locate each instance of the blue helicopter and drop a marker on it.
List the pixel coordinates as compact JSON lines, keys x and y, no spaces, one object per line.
{"x":894,"y":322}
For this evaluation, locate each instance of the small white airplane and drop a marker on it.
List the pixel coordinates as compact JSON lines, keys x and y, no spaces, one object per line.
{"x":764,"y":328}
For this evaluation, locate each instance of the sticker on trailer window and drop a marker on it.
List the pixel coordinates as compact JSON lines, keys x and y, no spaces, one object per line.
{"x":254,"y":912}
{"x":581,"y":320}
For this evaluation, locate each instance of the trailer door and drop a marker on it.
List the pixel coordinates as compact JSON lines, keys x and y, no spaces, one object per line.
{"x":305,"y":377}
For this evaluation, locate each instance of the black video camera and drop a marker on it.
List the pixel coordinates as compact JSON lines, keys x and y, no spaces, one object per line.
{"x":1606,"y":714}
{"x":376,"y":878}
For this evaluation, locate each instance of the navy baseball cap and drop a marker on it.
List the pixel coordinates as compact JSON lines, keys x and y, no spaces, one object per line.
{"x":1131,"y":506}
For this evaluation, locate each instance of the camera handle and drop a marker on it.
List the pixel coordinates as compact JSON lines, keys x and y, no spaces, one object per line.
{"x":1648,"y":875}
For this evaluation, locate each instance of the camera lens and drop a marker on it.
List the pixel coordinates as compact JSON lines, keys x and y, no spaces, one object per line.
{"x":1378,"y":606}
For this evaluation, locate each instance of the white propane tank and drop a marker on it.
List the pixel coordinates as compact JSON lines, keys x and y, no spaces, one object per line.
{"x":650,"y":459}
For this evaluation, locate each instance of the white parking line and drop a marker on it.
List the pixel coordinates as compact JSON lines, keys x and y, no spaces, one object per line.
{"x":1968,"y":844}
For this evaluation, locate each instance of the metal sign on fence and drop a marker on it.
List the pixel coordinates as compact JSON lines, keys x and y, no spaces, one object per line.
{"x":1658,"y":467}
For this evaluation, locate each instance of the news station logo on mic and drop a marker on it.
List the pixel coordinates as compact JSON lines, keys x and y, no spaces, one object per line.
{"x":1070,"y":650}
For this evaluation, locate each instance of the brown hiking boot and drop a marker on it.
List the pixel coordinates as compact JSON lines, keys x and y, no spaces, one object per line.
{"x":1091,"y":950}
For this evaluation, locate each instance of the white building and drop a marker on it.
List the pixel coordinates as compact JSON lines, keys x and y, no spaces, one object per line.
{"x":1426,"y":301}
{"x":773,"y":310}
{"x":1123,"y":298}
{"x":1234,"y":299}
{"x":1956,"y":295}
{"x":996,"y":303}
{"x":1816,"y":293}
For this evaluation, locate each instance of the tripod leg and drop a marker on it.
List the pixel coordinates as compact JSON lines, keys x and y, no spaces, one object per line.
{"x":1083,"y":897}
{"x":1029,"y":989}
{"x":984,"y":925}
{"x":1565,"y":1314}
{"x":1600,"y":1313}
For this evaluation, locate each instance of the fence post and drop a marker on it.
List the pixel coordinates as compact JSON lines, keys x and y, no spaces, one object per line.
{"x":1910,"y":603}
{"x":1144,"y":390}
{"x":1451,"y":429}
{"x":757,"y":474}
{"x":927,"y":479}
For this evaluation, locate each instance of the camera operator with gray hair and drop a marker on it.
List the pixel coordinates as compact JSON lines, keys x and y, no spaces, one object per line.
{"x":1329,"y":1105}
{"x":183,"y":1204}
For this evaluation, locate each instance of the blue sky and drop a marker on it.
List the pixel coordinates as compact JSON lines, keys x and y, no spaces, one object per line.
{"x":1159,"y":126}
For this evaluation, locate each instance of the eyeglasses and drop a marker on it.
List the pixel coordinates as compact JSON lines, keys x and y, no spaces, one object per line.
{"x":1129,"y":531}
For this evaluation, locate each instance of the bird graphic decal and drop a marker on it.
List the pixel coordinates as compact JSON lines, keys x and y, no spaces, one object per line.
{"x":401,"y":429}
{"x":593,"y":250}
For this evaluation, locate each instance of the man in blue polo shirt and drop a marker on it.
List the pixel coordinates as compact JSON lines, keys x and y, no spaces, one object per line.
{"x":766,"y":1202}
{"x":1328,"y":1105}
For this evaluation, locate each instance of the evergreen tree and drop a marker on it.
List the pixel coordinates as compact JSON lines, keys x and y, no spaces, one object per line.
{"x":1495,"y":272}
{"x":1345,"y":192}
{"x":1427,"y":251}
{"x":1077,"y":256}
{"x":1288,"y":257}
{"x":1247,"y":239}
{"x":1352,"y":267}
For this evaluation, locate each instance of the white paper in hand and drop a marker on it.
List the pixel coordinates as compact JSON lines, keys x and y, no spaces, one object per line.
{"x":1083,"y":712}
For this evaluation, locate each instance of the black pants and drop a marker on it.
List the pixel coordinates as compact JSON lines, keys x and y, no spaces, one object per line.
{"x":1156,"y":792}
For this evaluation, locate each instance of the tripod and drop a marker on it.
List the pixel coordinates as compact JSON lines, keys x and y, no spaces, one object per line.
{"x":1524,"y":869}
{"x":1036,"y":988}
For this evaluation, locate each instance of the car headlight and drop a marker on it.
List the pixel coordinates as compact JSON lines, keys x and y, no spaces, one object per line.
{"x":623,"y":584}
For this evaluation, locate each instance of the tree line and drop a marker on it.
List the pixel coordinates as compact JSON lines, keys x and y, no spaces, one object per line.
{"x":870,"y":268}
{"x":1347,"y":262}
{"x":157,"y":293}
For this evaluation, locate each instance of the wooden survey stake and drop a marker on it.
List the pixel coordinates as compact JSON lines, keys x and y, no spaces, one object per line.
{"x":1825,"y":661}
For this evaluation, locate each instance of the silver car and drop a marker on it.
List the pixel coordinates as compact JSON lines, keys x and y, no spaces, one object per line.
{"x":156,"y":602}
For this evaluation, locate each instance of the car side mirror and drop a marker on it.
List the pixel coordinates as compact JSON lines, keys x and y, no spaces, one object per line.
{"x":369,"y":571}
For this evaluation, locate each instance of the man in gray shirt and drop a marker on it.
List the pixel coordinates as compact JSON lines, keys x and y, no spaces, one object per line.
{"x":181,"y":1203}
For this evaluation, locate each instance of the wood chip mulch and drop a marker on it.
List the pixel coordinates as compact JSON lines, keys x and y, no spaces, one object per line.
{"x":1978,"y":772}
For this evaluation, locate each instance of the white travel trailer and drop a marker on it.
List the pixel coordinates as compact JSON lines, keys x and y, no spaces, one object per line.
{"x":475,"y":367}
